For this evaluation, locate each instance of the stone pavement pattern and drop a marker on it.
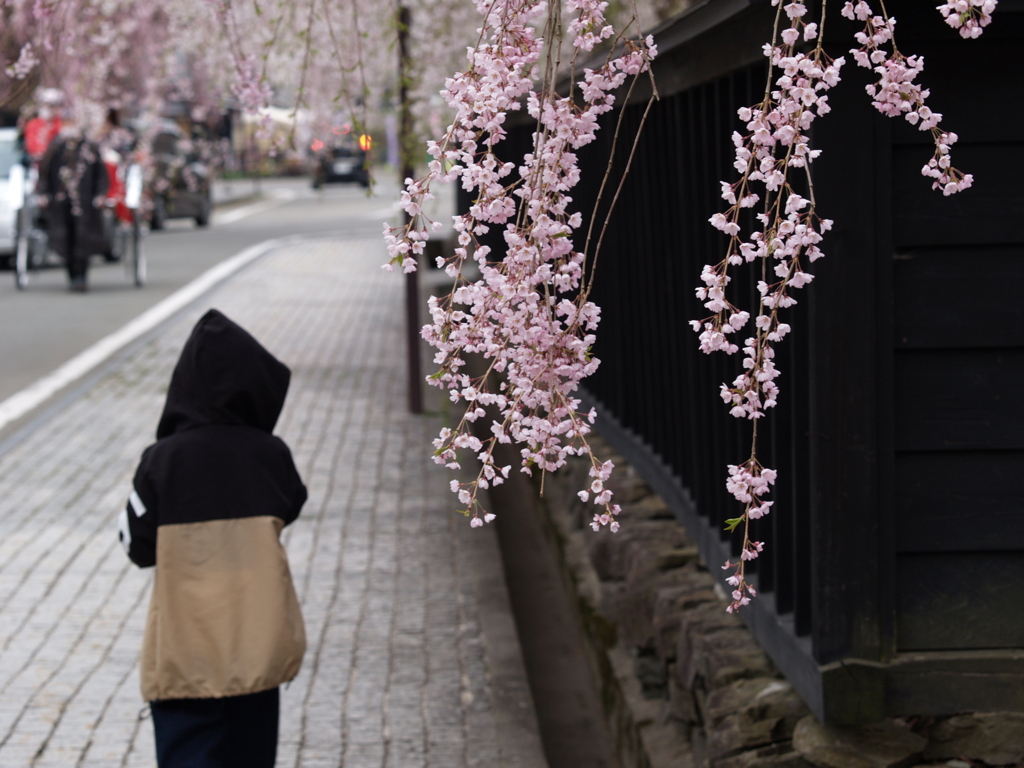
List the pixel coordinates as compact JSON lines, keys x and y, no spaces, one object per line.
{"x":396,"y":673}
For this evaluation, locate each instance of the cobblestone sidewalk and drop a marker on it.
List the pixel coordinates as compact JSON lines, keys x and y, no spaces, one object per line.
{"x":412,"y":658}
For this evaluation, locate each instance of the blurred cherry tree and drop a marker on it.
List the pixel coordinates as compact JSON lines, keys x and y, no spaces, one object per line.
{"x":316,"y":58}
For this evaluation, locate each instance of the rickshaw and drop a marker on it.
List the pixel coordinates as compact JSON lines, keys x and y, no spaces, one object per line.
{"x":123,"y":227}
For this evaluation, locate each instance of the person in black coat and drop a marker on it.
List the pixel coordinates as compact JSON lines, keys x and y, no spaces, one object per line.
{"x":73,"y":187}
{"x":208,"y":503}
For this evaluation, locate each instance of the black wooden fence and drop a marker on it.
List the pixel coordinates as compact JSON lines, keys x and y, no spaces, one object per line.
{"x":892,"y":580}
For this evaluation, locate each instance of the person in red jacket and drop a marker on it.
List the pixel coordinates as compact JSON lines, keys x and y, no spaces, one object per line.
{"x":42,"y":129}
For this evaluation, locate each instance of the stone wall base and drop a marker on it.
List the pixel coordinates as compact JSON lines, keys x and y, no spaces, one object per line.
{"x":685,"y":684}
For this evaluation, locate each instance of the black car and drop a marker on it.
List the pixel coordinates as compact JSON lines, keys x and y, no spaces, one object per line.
{"x":180,"y":184}
{"x":341,"y":164}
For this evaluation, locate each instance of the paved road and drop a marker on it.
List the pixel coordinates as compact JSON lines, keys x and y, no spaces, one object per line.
{"x":44,"y":326}
{"x":413,"y":659}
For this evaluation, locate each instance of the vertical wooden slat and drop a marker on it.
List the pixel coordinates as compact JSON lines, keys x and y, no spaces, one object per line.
{"x":799,"y":459}
{"x":885,"y":394}
{"x":843,"y":468}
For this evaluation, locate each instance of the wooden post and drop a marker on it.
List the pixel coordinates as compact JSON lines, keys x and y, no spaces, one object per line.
{"x":406,"y":149}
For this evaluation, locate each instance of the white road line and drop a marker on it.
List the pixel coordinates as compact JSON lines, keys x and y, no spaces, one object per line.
{"x":35,"y":394}
{"x":279,"y":197}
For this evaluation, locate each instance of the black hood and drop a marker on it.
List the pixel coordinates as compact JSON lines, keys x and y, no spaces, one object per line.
{"x":224,"y":376}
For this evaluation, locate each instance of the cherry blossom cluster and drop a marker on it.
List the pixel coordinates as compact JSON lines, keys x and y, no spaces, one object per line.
{"x":25,"y":63}
{"x":788,"y":230}
{"x":108,"y":53}
{"x":747,"y":483}
{"x":527,"y":314}
{"x":968,"y":16}
{"x":897,"y":94}
{"x":776,"y":144}
{"x":253,"y":92}
{"x":332,"y":61}
{"x":588,"y":28}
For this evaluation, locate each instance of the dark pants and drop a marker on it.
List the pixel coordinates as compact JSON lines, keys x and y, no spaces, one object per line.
{"x":233,"y":732}
{"x":77,"y":264}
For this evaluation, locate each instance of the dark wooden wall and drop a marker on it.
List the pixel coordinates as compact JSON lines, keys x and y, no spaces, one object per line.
{"x":958,"y":348}
{"x":899,"y":437}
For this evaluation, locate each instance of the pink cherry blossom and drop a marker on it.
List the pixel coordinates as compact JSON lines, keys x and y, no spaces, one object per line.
{"x":896,"y":94}
{"x":528,"y":313}
{"x":968,"y":16}
{"x":774,"y":147}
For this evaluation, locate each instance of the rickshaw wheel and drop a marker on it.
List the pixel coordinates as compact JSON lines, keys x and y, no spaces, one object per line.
{"x":21,"y":255}
{"x":133,"y":245}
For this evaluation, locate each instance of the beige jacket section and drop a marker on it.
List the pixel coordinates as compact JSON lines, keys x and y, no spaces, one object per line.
{"x":224,"y":619}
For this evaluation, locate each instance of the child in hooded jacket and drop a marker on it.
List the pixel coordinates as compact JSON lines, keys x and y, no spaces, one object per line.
{"x":208,"y":503}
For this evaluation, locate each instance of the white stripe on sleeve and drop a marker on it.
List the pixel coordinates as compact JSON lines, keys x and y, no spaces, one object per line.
{"x":137,"y":506}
